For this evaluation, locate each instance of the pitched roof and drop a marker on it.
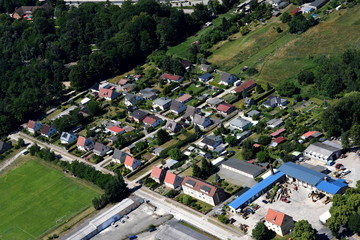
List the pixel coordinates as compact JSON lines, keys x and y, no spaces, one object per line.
{"x":81,"y":141}
{"x":116,"y":129}
{"x":244,"y":166}
{"x":170,"y":178}
{"x":4,"y":146}
{"x":211,"y":140}
{"x":45,"y":129}
{"x":129,"y":161}
{"x":278,"y":132}
{"x":275,"y":101}
{"x":98,"y":146}
{"x":279,"y":140}
{"x":138,"y":114}
{"x":275,"y":217}
{"x":309,"y":133}
{"x":162,"y":101}
{"x":175,"y":105}
{"x":151,"y":119}
{"x":123,"y":81}
{"x":156,"y":172}
{"x":200,"y":186}
{"x":184,"y":98}
{"x":246,"y":85}
{"x":214,"y":101}
{"x":206,"y":76}
{"x":170,"y":77}
{"x":201,"y":120}
{"x":31,"y":124}
{"x":226,"y":77}
{"x":120,"y":155}
{"x":239,"y":122}
{"x":322,"y":149}
{"x":302,"y":173}
{"x":224,"y":107}
{"x":172,"y":125}
{"x":191,"y":111}
{"x":105,"y":93}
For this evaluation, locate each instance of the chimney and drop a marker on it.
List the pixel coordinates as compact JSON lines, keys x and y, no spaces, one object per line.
{"x":271,"y":169}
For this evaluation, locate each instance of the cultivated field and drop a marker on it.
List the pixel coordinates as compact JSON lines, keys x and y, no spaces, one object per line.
{"x":36,"y":198}
{"x":280,"y":56}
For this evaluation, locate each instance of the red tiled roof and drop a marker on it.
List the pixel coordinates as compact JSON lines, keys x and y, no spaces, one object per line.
{"x":199,"y":185}
{"x":224,"y":107}
{"x":246,"y":85}
{"x":31,"y":124}
{"x":129,"y":161}
{"x":256,"y":145}
{"x":278,"y":132}
{"x":104,"y":92}
{"x":156,"y":172}
{"x":280,"y":140}
{"x":170,"y":178}
{"x":123,"y":81}
{"x":170,"y":77}
{"x":275,"y":217}
{"x":309,"y":134}
{"x":45,"y":129}
{"x":151,"y":119}
{"x":184,"y":98}
{"x":81,"y":141}
{"x":295,"y":11}
{"x":116,"y":129}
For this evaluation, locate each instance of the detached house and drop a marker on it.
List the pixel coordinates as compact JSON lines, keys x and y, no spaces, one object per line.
{"x":84,"y":144}
{"x":47,"y":131}
{"x":244,"y":86}
{"x":101,"y":149}
{"x":162,"y":103}
{"x":277,"y":141}
{"x":275,"y":102}
{"x":205,"y":68}
{"x":225,"y":108}
{"x":4,"y":146}
{"x":206,"y":77}
{"x":132,"y":99}
{"x":274,"y":123}
{"x":203,"y":191}
{"x":172,"y":127}
{"x":149,"y":93}
{"x":33,"y":126}
{"x":240,"y":124}
{"x":138,"y":115}
{"x":171,"y":78}
{"x":278,"y":222}
{"x":172,"y":181}
{"x":115,"y":130}
{"x":108,"y":94}
{"x":227,"y":78}
{"x":177,"y":107}
{"x":201,"y":121}
{"x":184,"y":98}
{"x":119,"y":156}
{"x":67,"y":138}
{"x":158,"y":174}
{"x":152,"y":121}
{"x":211,"y":142}
{"x":131,"y":163}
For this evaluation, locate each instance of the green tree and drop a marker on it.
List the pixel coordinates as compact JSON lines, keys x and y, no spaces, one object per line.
{"x":162,"y":136}
{"x":261,"y":232}
{"x":285,"y":17}
{"x":259,"y":89}
{"x":20,"y":143}
{"x":354,"y":223}
{"x":93,"y":107}
{"x":116,"y":190}
{"x":355,"y":134}
{"x":141,"y":145}
{"x":287,"y":88}
{"x":231,"y":140}
{"x":304,"y":231}
{"x":176,"y":154}
{"x":263,"y":156}
{"x":223,"y":218}
{"x":264,"y":140}
{"x":345,"y":140}
{"x":196,"y":172}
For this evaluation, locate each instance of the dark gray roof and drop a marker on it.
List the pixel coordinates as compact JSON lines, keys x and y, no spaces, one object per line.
{"x":318,"y":3}
{"x":227,"y":77}
{"x":205,"y":189}
{"x":190,"y":111}
{"x":162,"y":101}
{"x":176,"y":105}
{"x":244,"y":166}
{"x":201,"y":120}
{"x":119,"y":155}
{"x":211,"y":140}
{"x":4,"y":146}
{"x":323,"y":149}
{"x":172,"y":125}
{"x":240,"y":122}
{"x":273,"y":101}
{"x":214,"y":101}
{"x":139,"y":114}
{"x":191,"y":182}
{"x":149,"y":92}
{"x":98,"y":146}
{"x":253,"y":113}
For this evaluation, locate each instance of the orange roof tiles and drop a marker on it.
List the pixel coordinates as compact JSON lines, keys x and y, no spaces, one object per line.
{"x":275,"y":217}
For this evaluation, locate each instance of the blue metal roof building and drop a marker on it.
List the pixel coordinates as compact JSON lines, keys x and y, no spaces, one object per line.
{"x":256,"y":191}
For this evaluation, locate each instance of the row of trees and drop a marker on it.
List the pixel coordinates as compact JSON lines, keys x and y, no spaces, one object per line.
{"x":298,"y":23}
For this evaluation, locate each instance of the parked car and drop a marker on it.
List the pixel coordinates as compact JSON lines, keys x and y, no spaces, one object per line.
{"x":264,"y":201}
{"x":133,"y":237}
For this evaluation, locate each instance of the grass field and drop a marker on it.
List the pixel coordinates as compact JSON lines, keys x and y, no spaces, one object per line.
{"x":36,"y":198}
{"x":280,"y":56}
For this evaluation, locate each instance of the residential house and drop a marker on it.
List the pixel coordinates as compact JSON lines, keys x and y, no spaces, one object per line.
{"x":162,"y":103}
{"x":184,"y":98}
{"x":138,"y":115}
{"x":203,"y":191}
{"x":275,"y":3}
{"x":311,"y":134}
{"x":68,"y":137}
{"x":158,"y":174}
{"x":101,"y":149}
{"x":214,"y":102}
{"x":27,"y":12}
{"x":205,"y":68}
{"x":132,"y":99}
{"x":124,"y":81}
{"x":240,"y":124}
{"x":172,"y":181}
{"x":278,"y":222}
{"x":171,"y":78}
{"x":201,"y":121}
{"x":158,"y":150}
{"x":243,"y":135}
{"x":318,"y":4}
{"x":84,"y":144}
{"x":128,"y":87}
{"x":149,"y":93}
{"x":186,"y":64}
{"x":33,"y":126}
{"x":227,"y":78}
{"x":115,"y":130}
{"x":278,"y":132}
{"x":274,"y":123}
{"x":119,"y":156}
{"x":253,"y":113}
{"x":4,"y":146}
{"x":283,"y":5}
{"x":173,"y":127}
{"x":206,"y":77}
{"x":190,"y":112}
{"x":108,"y":94}
{"x":211,"y":142}
{"x":275,"y":102}
{"x":177,"y":107}
{"x":277,"y":141}
{"x":132,"y":163}
{"x":225,"y":108}
{"x":47,"y":131}
{"x":248,"y":102}
{"x":323,"y":151}
{"x":152,"y":121}
{"x":244,"y":86}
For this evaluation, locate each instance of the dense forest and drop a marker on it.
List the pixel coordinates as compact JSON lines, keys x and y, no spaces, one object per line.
{"x":103,"y":39}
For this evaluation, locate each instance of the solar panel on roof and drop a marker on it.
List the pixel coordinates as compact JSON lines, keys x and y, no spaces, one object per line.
{"x":190,"y":183}
{"x":205,"y":189}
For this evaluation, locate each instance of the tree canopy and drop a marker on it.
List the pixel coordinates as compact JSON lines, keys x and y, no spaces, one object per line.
{"x":304,"y":231}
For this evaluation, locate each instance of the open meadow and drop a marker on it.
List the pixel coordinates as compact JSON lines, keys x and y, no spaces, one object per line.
{"x":36,"y":198}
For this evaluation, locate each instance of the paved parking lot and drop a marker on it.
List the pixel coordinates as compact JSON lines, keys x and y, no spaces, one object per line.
{"x":351,"y":162}
{"x":236,"y":178}
{"x":301,"y":207}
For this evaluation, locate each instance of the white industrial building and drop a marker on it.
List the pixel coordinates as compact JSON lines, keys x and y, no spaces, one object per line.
{"x":243,"y":168}
{"x":325,"y":151}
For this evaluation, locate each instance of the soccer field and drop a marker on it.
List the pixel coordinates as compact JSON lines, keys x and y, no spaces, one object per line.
{"x":35,"y":198}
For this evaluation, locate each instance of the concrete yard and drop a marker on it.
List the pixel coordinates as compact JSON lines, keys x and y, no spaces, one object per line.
{"x":301,"y":207}
{"x":351,"y":162}
{"x":236,"y":178}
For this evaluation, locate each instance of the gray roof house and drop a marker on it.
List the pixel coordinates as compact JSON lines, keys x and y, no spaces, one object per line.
{"x":119,"y":156}
{"x":132,"y":99}
{"x":240,"y":123}
{"x":100,"y":149}
{"x":162,"y":103}
{"x":149,"y":93}
{"x":274,"y":123}
{"x":177,"y":107}
{"x":205,"y":67}
{"x":253,"y":113}
{"x":275,"y":102}
{"x":227,"y":78}
{"x":243,"y":167}
{"x":67,"y":137}
{"x":213,"y":102}
{"x":211,"y":142}
{"x":201,"y":121}
{"x":4,"y":146}
{"x":191,"y":111}
{"x":172,"y":126}
{"x":318,"y":3}
{"x":249,"y":102}
{"x":138,"y":115}
{"x":206,"y":77}
{"x":325,"y":151}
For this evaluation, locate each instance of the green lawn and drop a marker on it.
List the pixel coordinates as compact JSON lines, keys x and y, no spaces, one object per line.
{"x":36,"y":198}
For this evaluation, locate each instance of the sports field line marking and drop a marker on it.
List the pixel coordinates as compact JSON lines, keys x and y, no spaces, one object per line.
{"x":26,"y":232}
